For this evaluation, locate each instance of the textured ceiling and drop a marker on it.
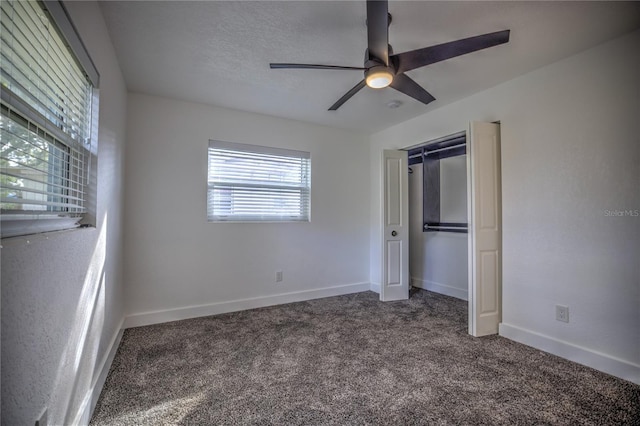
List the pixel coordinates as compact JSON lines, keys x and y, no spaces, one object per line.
{"x":218,"y":53}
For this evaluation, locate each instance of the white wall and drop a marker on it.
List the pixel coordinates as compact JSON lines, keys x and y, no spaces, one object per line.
{"x":453,"y":189}
{"x":62,"y":304}
{"x":570,"y":153}
{"x":438,"y":260}
{"x":178,"y":262}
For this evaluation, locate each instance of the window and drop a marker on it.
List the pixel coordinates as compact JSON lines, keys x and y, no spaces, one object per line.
{"x":254,"y":183}
{"x":45,"y":122}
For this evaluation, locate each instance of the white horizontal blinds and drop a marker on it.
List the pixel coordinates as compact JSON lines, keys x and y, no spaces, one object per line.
{"x":39,"y":68}
{"x":45,"y":122}
{"x":253,"y":183}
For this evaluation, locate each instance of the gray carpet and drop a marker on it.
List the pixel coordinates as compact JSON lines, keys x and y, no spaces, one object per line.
{"x":350,"y":360}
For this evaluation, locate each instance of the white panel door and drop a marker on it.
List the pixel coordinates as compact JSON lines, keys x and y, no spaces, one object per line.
{"x":485,"y":251}
{"x":395,"y":226}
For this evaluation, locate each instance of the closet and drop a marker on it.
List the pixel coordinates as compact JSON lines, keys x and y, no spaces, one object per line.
{"x":452,"y":203}
{"x":438,"y":216}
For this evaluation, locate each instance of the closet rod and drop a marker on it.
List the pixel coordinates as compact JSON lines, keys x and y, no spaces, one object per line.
{"x":446,"y":227}
{"x":427,"y":226}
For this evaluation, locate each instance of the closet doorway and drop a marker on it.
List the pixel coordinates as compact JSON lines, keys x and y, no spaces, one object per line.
{"x":455,"y":221}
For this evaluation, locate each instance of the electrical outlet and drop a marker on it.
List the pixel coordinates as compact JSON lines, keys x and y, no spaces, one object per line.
{"x":42,"y":420}
{"x":278,"y":276}
{"x":562,"y":313}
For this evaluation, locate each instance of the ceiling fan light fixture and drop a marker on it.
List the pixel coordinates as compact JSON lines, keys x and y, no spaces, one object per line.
{"x":378,"y":77}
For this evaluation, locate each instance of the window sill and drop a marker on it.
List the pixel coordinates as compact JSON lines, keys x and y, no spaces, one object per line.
{"x":258,"y":221}
{"x":19,"y":231}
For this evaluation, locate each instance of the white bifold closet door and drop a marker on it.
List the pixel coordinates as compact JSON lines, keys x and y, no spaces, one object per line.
{"x":395,"y":226}
{"x":485,"y":239}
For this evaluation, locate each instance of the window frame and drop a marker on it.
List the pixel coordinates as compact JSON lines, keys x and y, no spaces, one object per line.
{"x":13,"y":222}
{"x":246,"y":150}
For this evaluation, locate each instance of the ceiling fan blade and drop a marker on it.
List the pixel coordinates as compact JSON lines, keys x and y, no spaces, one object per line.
{"x":378,"y":30}
{"x":313,"y":67}
{"x":347,"y":96}
{"x":403,"y":83}
{"x":413,"y":59}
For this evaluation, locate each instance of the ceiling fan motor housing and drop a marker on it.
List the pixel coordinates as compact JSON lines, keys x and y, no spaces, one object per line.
{"x":377,"y":75}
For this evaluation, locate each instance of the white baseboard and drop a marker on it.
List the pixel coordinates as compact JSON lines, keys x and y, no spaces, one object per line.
{"x":375,"y":287}
{"x":599,"y":361}
{"x":91,"y":398}
{"x":447,"y":290}
{"x":157,"y":317}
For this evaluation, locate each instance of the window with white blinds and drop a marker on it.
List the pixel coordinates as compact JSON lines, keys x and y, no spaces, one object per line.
{"x":255,"y":183}
{"x":45,"y":121}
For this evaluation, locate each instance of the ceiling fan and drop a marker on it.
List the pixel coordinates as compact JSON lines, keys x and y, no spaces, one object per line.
{"x":383,"y":68}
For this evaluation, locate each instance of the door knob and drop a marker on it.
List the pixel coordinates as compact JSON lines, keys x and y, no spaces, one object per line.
{"x":394,"y":233}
